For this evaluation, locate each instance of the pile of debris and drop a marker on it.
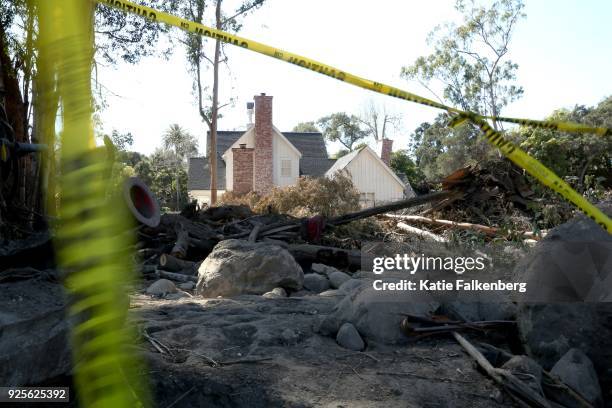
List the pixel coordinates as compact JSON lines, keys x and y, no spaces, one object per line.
{"x":226,"y":291}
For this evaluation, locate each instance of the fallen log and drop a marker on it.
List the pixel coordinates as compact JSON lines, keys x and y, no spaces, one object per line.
{"x":254,"y":232}
{"x":182,"y":241}
{"x":492,"y":231}
{"x":347,"y":218}
{"x":179,"y":277}
{"x":336,"y":257}
{"x":173,"y":264}
{"x":421,"y":233}
{"x":397,"y":205}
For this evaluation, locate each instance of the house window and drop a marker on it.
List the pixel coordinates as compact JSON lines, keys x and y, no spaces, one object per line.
{"x":367,"y":200}
{"x":285,"y":168}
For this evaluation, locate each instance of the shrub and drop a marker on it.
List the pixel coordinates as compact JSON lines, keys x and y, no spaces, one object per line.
{"x":309,"y":196}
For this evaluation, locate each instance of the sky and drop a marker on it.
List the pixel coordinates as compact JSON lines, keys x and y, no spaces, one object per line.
{"x":563,"y":49}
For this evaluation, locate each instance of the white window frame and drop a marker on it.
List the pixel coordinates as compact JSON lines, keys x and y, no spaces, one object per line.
{"x":367,"y":200}
{"x":286,"y":171}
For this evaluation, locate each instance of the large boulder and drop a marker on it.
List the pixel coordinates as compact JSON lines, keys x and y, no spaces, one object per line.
{"x":237,"y":267}
{"x":34,"y":332}
{"x":573,"y":264}
{"x":576,"y":370}
{"x":377,"y":315}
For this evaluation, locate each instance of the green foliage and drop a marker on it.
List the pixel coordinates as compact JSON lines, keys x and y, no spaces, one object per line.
{"x":469,"y":63}
{"x":439,"y":149}
{"x":469,"y":60}
{"x":183,"y":143}
{"x":122,"y":141}
{"x":343,"y":128}
{"x":127,"y":37}
{"x":306,"y":127}
{"x":401,"y":162}
{"x":165,"y":179}
{"x":582,"y":159}
{"x":164,"y":171}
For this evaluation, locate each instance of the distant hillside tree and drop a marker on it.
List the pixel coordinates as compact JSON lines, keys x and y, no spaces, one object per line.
{"x":343,"y":128}
{"x":183,"y":145}
{"x":306,"y":127}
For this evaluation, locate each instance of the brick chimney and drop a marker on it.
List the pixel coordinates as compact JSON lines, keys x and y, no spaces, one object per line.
{"x":243,"y":169}
{"x":262,"y":157}
{"x":385,"y":151}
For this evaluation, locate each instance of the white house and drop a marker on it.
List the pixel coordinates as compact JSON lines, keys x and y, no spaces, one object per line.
{"x":263,"y":157}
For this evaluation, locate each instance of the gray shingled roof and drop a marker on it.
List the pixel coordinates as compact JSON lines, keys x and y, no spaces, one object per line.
{"x":224,"y":139}
{"x":314,"y":166}
{"x":343,"y":161}
{"x":198,"y":177}
{"x":310,"y":144}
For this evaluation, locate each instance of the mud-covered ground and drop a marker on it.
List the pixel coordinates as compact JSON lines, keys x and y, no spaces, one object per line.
{"x":252,"y":351}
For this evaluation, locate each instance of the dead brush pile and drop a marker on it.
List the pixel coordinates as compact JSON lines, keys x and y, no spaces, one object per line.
{"x":310,"y":196}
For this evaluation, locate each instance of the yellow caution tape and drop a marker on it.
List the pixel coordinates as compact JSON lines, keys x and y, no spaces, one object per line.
{"x":91,"y":236}
{"x":531,"y":165}
{"x":537,"y":170}
{"x":321,"y":68}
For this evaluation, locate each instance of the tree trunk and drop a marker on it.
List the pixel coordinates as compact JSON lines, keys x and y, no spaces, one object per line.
{"x":178,"y":192}
{"x":15,"y":110}
{"x":214,"y":112}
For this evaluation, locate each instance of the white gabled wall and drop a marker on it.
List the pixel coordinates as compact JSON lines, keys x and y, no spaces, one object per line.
{"x":370,"y":176}
{"x":282,"y":149}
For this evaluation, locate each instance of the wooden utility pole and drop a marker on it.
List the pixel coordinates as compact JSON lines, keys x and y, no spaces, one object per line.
{"x":214,"y":112}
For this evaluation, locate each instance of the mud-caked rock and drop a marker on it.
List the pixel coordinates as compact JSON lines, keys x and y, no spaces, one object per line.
{"x":161,"y":287}
{"x":336,"y":279}
{"x":576,"y":370}
{"x":275,"y":293}
{"x":315,"y":282}
{"x":348,"y":337}
{"x":377,"y":315}
{"x":237,"y":267}
{"x":528,"y":370}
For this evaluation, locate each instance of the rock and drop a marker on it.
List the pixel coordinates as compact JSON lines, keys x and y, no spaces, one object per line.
{"x":178,"y":295}
{"x":315,"y":282}
{"x":322,"y":269}
{"x":275,"y":293}
{"x":336,"y":279}
{"x":377,"y":314}
{"x":302,"y":293}
{"x":187,"y":285}
{"x":348,"y":337}
{"x":576,"y":370}
{"x":331,"y":293}
{"x":478,"y":311}
{"x":161,"y":287}
{"x":569,"y":264}
{"x":289,"y":337}
{"x":527,"y":370}
{"x":34,"y":333}
{"x":237,"y":267}
{"x":350,"y":285}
